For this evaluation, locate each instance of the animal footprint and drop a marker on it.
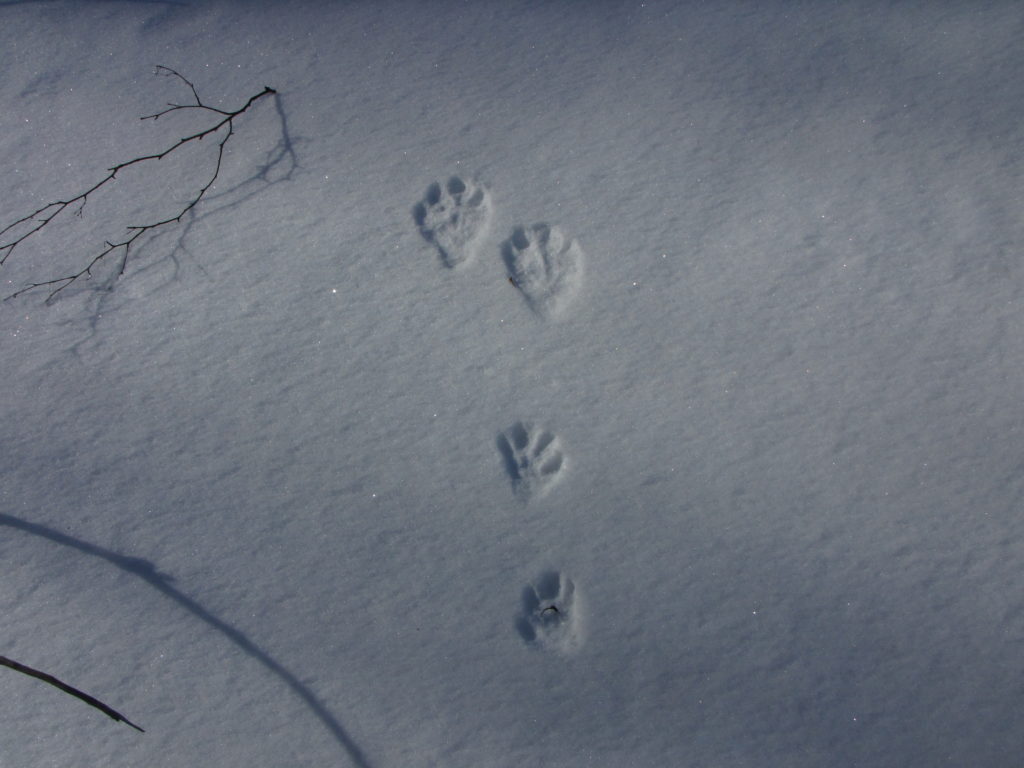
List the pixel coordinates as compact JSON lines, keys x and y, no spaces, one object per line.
{"x":550,"y":617}
{"x":454,"y":216}
{"x":545,"y":265}
{"x":533,"y":458}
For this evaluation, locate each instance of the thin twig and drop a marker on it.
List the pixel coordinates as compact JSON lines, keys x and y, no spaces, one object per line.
{"x":43,"y":216}
{"x":91,"y":701}
{"x":168,"y":72}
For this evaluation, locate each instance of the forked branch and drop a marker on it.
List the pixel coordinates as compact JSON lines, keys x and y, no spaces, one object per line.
{"x":37,"y":220}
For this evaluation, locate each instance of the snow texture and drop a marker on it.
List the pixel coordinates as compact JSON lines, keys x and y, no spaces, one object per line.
{"x":292,"y":492}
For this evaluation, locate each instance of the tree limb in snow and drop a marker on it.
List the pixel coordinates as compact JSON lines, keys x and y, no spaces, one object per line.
{"x":92,"y":702}
{"x":37,"y":220}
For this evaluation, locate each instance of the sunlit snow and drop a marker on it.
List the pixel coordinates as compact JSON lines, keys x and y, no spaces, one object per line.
{"x":538,"y":384}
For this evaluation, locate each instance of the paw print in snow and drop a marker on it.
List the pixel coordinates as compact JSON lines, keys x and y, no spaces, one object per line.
{"x":551,"y":614}
{"x":454,"y":216}
{"x":546,"y":266}
{"x":533,"y":458}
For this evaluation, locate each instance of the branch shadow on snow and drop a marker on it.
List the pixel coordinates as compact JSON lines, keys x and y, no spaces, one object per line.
{"x":147,"y":571}
{"x":279,"y":165}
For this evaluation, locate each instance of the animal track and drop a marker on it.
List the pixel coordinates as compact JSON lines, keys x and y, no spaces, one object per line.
{"x":454,"y":216}
{"x":533,"y":458}
{"x":551,"y":616}
{"x":545,"y":265}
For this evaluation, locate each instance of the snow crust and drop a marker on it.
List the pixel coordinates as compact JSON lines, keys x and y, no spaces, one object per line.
{"x":254,"y":493}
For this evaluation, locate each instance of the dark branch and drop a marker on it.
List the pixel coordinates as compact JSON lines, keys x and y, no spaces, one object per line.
{"x":92,"y":702}
{"x":43,"y":216}
{"x":168,"y":72}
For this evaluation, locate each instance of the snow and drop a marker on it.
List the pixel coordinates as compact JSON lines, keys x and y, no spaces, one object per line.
{"x":285,"y":492}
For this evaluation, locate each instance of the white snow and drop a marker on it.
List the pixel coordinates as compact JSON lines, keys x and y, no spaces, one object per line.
{"x":253,"y":493}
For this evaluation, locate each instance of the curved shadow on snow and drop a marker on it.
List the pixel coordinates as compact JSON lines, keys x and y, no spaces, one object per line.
{"x":147,"y":571}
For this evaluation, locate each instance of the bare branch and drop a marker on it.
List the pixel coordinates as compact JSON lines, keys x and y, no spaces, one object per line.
{"x":92,"y":702}
{"x":168,"y":72}
{"x":37,"y":220}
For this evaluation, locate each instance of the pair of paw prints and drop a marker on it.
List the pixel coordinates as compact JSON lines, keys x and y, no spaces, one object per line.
{"x":550,"y":616}
{"x":544,"y":264}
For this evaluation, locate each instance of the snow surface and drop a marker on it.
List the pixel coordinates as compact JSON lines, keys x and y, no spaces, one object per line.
{"x":255,"y":495}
